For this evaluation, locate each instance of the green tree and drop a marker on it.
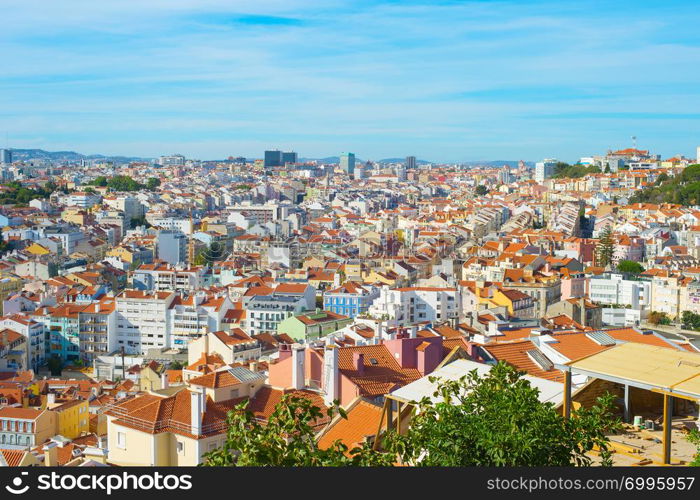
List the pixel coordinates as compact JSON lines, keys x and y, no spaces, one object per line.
{"x":481,"y":190}
{"x":606,"y":247}
{"x":658,"y":318}
{"x":3,"y":244}
{"x":694,"y":439}
{"x":139,"y":221}
{"x":287,"y":439}
{"x":124,"y":183}
{"x":100,"y":181}
{"x":152,"y":183}
{"x":498,"y":420}
{"x":661,"y":179}
{"x":691,"y":320}
{"x":630,"y":266}
{"x":55,"y":366}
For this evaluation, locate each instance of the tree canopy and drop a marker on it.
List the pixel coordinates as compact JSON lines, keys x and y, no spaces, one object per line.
{"x":481,"y":190}
{"x":606,"y":247}
{"x":684,"y":189}
{"x":498,"y":420}
{"x":563,"y":170}
{"x":494,"y":420}
{"x":630,"y":266}
{"x":16,"y":194}
{"x":287,"y":439}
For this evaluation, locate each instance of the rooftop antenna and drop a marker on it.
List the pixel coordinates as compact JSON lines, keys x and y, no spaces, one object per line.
{"x":634,"y":141}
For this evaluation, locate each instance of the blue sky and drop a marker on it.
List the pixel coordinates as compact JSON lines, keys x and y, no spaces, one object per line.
{"x":445,"y":81}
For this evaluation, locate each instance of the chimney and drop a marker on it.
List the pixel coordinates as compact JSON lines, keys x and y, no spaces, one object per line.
{"x":50,"y":454}
{"x":380,"y":332}
{"x":413,"y":332}
{"x":253,"y":366}
{"x":298,"y":372}
{"x":196,"y":411}
{"x":206,"y":340}
{"x":358,"y":361}
{"x":582,"y":309}
{"x":285,"y":351}
{"x":331,"y":376}
{"x":164,"y":380}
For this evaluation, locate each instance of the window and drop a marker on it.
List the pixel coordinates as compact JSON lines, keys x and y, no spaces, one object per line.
{"x":121,"y":440}
{"x":180,"y":446}
{"x":234,"y":393}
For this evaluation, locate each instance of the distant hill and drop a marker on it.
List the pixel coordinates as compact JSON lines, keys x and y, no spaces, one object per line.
{"x":496,"y":163}
{"x":71,"y":156}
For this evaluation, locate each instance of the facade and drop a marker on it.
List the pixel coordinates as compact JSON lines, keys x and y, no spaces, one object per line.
{"x":544,"y":170}
{"x":347,"y":163}
{"x":6,"y":156}
{"x":273,"y":159}
{"x":26,"y":427}
{"x":615,"y":289}
{"x":313,"y":325}
{"x":142,"y":320}
{"x":407,"y":306}
{"x":350,"y":299}
{"x":172,"y":247}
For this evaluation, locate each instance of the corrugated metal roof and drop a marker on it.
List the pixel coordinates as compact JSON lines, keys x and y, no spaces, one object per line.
{"x":601,"y":338}
{"x":244,"y":374}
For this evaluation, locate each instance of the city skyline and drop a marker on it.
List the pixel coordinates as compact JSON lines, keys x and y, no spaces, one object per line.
{"x":444,"y":81}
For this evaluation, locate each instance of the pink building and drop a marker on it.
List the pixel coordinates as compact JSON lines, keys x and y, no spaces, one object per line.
{"x":344,"y":373}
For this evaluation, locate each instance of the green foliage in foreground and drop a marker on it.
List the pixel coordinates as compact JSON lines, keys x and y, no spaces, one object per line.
{"x":287,"y":439}
{"x":494,"y":420}
{"x":694,"y":438}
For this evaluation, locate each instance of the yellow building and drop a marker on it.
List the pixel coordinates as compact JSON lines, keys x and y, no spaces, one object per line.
{"x":75,"y":215}
{"x":9,"y":284}
{"x":155,"y":430}
{"x":122,"y":253}
{"x":72,"y":417}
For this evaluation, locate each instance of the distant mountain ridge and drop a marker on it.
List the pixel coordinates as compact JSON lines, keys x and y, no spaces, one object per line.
{"x":40,"y":154}
{"x":72,"y":156}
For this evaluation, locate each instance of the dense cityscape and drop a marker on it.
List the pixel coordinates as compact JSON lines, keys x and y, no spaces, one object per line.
{"x":145,"y":299}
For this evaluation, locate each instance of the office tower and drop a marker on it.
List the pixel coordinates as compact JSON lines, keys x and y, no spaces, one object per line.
{"x":6,"y":156}
{"x":347,"y":163}
{"x":410,"y":162}
{"x":289,"y":157}
{"x":544,"y":169}
{"x":273,"y":159}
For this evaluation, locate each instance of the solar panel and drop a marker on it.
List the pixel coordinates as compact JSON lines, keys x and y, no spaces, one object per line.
{"x":243,"y":374}
{"x":373,"y":361}
{"x":601,"y":338}
{"x":541,"y":360}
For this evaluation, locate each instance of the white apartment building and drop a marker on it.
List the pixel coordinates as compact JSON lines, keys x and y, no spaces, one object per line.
{"x":161,"y":277}
{"x":544,"y":169}
{"x":190,"y":317}
{"x":406,"y":306}
{"x":614,"y":289}
{"x":143,"y":321}
{"x":33,"y":331}
{"x":182,"y":224}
